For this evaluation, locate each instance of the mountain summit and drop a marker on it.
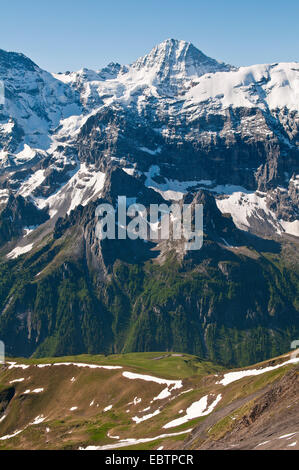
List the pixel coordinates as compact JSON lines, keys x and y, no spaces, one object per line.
{"x":175,"y":58}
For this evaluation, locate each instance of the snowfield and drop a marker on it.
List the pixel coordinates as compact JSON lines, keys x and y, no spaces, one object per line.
{"x":196,"y":410}
{"x":20,"y":250}
{"x":233,"y":376}
{"x":266,"y":86}
{"x":170,"y":384}
{"x":244,"y":207}
{"x":131,"y":442}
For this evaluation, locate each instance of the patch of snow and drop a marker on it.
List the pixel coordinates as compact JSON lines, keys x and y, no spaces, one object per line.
{"x":108,"y":408}
{"x":36,"y":390}
{"x":129,"y":442}
{"x":170,"y":384}
{"x":16,"y":380}
{"x":129,"y":171}
{"x":292,"y":228}
{"x":19,"y":250}
{"x":7,"y":127}
{"x":186,"y":391}
{"x":10,"y":436}
{"x":151,"y":152}
{"x":25,"y":155}
{"x":14,"y":365}
{"x":86,"y":183}
{"x":38,"y":420}
{"x":196,"y":410}
{"x":136,"y":401}
{"x":90,"y":366}
{"x":145,"y":417}
{"x":31,"y":183}
{"x":70,"y":127}
{"x":262,"y":444}
{"x":233,"y":376}
{"x":112,"y":437}
{"x":243,"y":206}
{"x":29,"y":229}
{"x":171,"y":189}
{"x":287,"y":435}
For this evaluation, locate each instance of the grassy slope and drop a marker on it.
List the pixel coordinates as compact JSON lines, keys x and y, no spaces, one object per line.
{"x":69,"y":386}
{"x":169,"y":365}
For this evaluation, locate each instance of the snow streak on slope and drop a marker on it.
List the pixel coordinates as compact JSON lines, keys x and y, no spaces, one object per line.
{"x":131,"y":442}
{"x":170,"y":384}
{"x":20,"y":250}
{"x":196,"y":410}
{"x":233,"y":376}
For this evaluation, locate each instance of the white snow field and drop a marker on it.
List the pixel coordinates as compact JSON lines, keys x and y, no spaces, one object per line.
{"x":170,"y":384}
{"x":196,"y":410}
{"x":233,"y":376}
{"x":131,"y":442}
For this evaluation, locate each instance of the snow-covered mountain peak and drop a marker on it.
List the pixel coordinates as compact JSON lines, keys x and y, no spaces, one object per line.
{"x":197,"y":120}
{"x":174,"y":57}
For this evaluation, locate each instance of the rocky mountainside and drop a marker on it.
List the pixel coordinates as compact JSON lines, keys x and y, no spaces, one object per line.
{"x":175,"y":125}
{"x":174,"y":113}
{"x":147,"y":401}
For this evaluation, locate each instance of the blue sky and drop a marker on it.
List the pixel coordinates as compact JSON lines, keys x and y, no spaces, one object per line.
{"x":64,"y":35}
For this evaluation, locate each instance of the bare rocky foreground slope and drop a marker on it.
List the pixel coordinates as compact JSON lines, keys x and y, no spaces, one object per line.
{"x":148,"y":401}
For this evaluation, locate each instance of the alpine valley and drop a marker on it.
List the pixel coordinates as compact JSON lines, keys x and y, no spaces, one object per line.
{"x":175,"y":125}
